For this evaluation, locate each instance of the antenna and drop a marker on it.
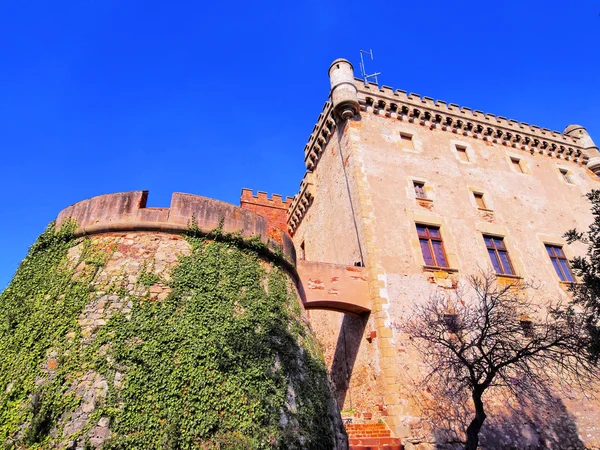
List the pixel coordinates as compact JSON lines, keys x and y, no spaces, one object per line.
{"x":362,"y":67}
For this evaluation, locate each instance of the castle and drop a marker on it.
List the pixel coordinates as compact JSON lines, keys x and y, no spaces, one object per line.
{"x":421,"y":193}
{"x":403,"y":197}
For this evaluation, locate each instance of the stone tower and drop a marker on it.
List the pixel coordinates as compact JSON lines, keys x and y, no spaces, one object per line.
{"x":167,"y":328}
{"x":382,"y":166}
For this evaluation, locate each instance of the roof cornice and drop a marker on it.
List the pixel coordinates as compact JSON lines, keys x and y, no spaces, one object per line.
{"x":438,"y":114}
{"x":301,"y":202}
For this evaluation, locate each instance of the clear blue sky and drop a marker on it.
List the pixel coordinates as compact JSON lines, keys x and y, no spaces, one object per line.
{"x":209,"y":97}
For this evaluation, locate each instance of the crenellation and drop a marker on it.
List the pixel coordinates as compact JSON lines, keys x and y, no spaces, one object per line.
{"x":301,"y":202}
{"x":262,"y":199}
{"x":126,"y":211}
{"x":432,"y":114}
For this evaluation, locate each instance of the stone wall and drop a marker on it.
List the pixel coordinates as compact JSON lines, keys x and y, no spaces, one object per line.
{"x":528,"y":208}
{"x":273,"y":209}
{"x":133,"y":252}
{"x":532,"y":180}
{"x":128,"y":269}
{"x":124,"y":256}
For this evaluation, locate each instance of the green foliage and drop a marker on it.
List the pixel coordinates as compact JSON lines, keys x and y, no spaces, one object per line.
{"x":37,"y":311}
{"x":217,"y":362}
{"x":254,"y":243}
{"x":224,"y":362}
{"x":587,"y":293}
{"x":147,"y":278}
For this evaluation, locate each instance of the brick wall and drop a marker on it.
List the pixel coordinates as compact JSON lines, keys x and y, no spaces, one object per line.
{"x":273,"y":209}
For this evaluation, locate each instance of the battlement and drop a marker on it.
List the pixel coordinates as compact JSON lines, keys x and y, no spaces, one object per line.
{"x":301,"y":202}
{"x":262,"y":199}
{"x":452,"y":108}
{"x":127,"y":211}
{"x":274,"y":210}
{"x":437,"y":114}
{"x":434,"y":115}
{"x":318,"y":139}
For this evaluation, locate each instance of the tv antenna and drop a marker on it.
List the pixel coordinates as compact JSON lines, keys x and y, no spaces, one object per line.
{"x":362,"y":68}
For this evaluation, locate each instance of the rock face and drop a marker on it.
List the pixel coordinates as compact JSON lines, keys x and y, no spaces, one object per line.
{"x":148,"y":339}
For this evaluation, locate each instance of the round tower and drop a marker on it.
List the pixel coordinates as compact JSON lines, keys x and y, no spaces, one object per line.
{"x":343,"y":89}
{"x":155,"y":328}
{"x":591,"y":149}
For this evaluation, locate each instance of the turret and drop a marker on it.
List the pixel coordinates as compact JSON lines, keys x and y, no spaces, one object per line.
{"x":343,"y":90}
{"x":591,"y":149}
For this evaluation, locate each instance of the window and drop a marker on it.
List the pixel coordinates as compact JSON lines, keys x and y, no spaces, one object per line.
{"x":560,"y":262}
{"x":419,"y":189}
{"x":432,"y":247}
{"x":498,"y":255}
{"x":516,"y":163}
{"x":479,"y":200}
{"x":302,"y":251}
{"x":462,"y":153}
{"x":566,"y":175}
{"x":406,"y":141}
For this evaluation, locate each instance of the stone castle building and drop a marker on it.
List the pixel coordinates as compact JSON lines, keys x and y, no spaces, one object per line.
{"x":421,"y":194}
{"x":403,"y":197}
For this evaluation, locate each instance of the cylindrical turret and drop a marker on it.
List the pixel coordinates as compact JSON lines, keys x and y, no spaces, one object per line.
{"x":144,"y":316}
{"x":343,"y":89}
{"x":591,"y":149}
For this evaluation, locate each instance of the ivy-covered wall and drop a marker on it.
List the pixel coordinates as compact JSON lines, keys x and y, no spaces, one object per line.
{"x":158,"y":341}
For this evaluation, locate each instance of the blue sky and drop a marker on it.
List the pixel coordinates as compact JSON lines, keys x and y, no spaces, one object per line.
{"x":209,"y":97}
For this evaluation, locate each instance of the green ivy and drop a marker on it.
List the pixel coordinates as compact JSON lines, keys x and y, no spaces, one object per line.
{"x":217,"y":361}
{"x":224,"y":361}
{"x":38,"y":317}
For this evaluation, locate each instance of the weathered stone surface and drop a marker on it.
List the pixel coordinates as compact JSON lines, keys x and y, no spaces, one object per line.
{"x":361,"y":205}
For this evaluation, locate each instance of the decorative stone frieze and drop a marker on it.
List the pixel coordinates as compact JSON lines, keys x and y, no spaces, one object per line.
{"x":438,"y":115}
{"x":301,"y":202}
{"x":319,"y":137}
{"x":464,"y":121}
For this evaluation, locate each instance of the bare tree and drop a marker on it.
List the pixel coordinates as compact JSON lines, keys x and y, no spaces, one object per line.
{"x":499,"y":338}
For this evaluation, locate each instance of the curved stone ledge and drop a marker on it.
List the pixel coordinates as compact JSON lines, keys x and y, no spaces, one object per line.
{"x":127,"y":211}
{"x":333,"y":287}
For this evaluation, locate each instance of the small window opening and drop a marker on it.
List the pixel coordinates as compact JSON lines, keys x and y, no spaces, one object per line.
{"x":498,"y":254}
{"x":566,"y":175}
{"x":302,"y":251}
{"x":526,"y":325}
{"x":560,"y":262}
{"x":462,"y":153}
{"x":419,"y":189}
{"x":516,"y":163}
{"x":432,"y":247}
{"x":406,"y":141}
{"x":479,"y":200}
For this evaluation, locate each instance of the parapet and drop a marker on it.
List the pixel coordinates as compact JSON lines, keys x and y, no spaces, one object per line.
{"x":262,"y":199}
{"x":127,"y":211}
{"x":274,"y":210}
{"x":301,"y":202}
{"x":437,"y":114}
